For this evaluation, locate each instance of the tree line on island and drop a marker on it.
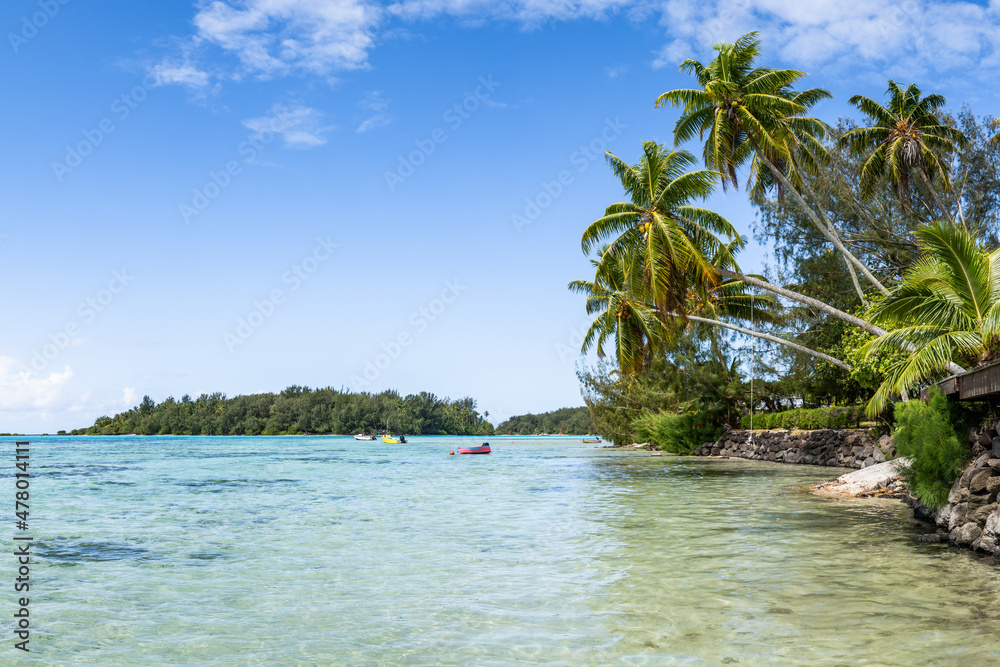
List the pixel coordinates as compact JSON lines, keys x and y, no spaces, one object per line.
{"x":298,"y":410}
{"x":565,"y":421}
{"x":884,"y":276}
{"x":301,"y":410}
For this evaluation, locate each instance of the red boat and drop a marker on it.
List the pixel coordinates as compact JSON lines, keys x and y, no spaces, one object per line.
{"x":483,"y":449}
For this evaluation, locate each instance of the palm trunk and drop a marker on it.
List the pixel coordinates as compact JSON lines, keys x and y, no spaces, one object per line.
{"x":934,"y":195}
{"x":769,"y":337}
{"x":825,"y":226}
{"x":823,"y":307}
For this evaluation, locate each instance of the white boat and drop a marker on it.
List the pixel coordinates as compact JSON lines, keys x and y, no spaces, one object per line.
{"x":592,"y":438}
{"x":362,"y":436}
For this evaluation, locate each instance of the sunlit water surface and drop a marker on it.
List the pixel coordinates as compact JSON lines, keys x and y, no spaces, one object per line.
{"x":327,"y":551}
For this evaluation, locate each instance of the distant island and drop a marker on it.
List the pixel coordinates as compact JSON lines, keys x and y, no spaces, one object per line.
{"x":298,"y":411}
{"x":567,"y":421}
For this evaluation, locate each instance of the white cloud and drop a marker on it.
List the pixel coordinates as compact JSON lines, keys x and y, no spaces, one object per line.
{"x":299,"y":126}
{"x":279,"y":37}
{"x":20,"y":390}
{"x":376,"y":106}
{"x":186,"y":74}
{"x":615,"y":72}
{"x":912,"y":36}
{"x":525,"y":11}
{"x":275,"y":36}
{"x":129,"y":397}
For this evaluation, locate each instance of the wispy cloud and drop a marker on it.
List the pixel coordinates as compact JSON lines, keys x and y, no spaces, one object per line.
{"x":615,"y":72}
{"x":277,"y":37}
{"x":298,"y":126}
{"x":269,"y":38}
{"x":375,"y":106}
{"x":20,"y":390}
{"x":911,"y":36}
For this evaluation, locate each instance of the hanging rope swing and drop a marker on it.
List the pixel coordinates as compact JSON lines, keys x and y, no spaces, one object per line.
{"x":753,"y":361}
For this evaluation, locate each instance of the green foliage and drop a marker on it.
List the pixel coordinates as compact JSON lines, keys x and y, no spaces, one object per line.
{"x":924,"y":432}
{"x":695,"y":375}
{"x":297,"y":410}
{"x":677,"y":433}
{"x":806,"y":419}
{"x":568,"y":421}
{"x":946,"y":310}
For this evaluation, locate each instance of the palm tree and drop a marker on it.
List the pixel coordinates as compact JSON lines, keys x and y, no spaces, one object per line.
{"x":749,"y":111}
{"x":947,"y":308}
{"x":617,"y":296}
{"x":907,"y":137}
{"x":672,"y":237}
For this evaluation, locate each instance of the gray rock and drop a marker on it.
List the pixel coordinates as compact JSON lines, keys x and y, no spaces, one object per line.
{"x":959,"y":514}
{"x":990,"y":527}
{"x":981,"y":461}
{"x":965,"y":535}
{"x":987,"y":543}
{"x":980,"y":514}
{"x":978,"y":480}
{"x":958,"y":494}
{"x":943,"y":515}
{"x":870,"y":461}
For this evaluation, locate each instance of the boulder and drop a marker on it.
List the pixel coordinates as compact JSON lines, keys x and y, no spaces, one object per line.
{"x":965,"y":535}
{"x":959,"y":516}
{"x":978,"y":480}
{"x":980,"y":514}
{"x":862,"y":482}
{"x":943,"y":515}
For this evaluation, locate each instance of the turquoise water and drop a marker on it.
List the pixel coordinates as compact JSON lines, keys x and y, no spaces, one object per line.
{"x":327,"y":551}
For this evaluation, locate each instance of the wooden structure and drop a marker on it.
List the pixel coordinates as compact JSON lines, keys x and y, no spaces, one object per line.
{"x":976,"y":385}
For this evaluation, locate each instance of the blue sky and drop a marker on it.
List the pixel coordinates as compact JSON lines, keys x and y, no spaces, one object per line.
{"x":240,"y":196}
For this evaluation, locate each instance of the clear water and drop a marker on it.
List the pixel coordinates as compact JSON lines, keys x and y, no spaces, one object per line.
{"x":327,"y":551}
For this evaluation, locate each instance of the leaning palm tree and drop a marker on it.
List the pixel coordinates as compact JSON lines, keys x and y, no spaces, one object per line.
{"x":617,"y":297}
{"x":947,"y":309}
{"x":906,"y":137}
{"x":660,"y":225}
{"x":744,"y":112}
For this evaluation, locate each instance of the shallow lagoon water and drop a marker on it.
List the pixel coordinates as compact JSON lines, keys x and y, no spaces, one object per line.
{"x":328,"y":551}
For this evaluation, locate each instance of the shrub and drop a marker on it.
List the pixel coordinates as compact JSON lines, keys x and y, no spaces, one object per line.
{"x":807,"y":419}
{"x":924,"y":432}
{"x":676,"y":433}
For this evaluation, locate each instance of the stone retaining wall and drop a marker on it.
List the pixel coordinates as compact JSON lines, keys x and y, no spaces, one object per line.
{"x":971,"y":516}
{"x":845,"y":448}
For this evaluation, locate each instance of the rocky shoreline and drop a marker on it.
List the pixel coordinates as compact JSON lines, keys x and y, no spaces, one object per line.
{"x":970,"y":520}
{"x":842,"y":448}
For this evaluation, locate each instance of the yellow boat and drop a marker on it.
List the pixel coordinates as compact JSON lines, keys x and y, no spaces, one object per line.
{"x":393,"y":440}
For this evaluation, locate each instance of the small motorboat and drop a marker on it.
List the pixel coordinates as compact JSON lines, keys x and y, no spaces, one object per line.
{"x":482,"y":449}
{"x":394,"y":440}
{"x":592,"y":438}
{"x":362,"y":436}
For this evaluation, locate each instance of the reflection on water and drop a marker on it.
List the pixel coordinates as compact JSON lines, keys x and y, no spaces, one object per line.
{"x":226,"y":551}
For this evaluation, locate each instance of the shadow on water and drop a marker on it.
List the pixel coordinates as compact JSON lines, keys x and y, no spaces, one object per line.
{"x":66,"y":551}
{"x":219,"y":485}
